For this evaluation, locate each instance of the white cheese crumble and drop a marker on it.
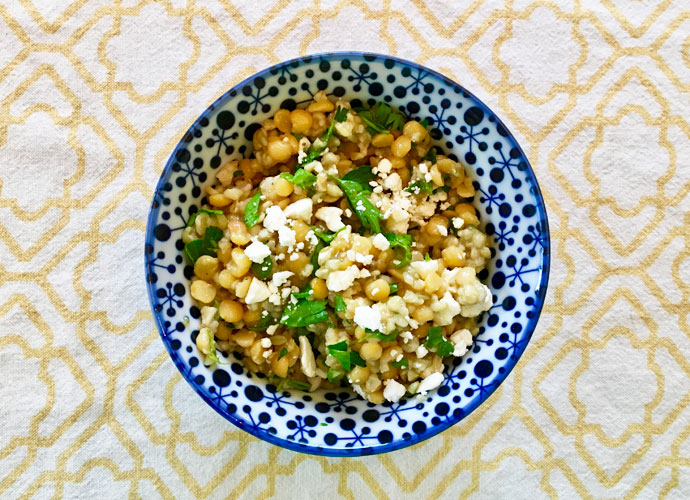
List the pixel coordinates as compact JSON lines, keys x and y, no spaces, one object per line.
{"x":384,"y":166}
{"x":286,"y":236}
{"x":393,"y":391}
{"x":445,"y":310}
{"x":429,"y":383}
{"x":266,"y":343}
{"x":462,"y":340}
{"x":281,"y":277}
{"x":274,"y":218}
{"x":381,"y":242}
{"x":484,"y":303}
{"x":301,"y":209}
{"x":258,"y":292}
{"x":421,"y":351}
{"x":257,"y":252}
{"x":442,"y":230}
{"x":457,"y":222}
{"x":337,"y":281}
{"x":331,"y":216}
{"x":368,"y":317}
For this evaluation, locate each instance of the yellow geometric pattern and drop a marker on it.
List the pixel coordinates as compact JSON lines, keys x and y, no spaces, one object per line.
{"x":95,"y":94}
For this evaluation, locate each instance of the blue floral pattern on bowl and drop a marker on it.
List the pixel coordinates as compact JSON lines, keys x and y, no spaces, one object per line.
{"x":509,"y":204}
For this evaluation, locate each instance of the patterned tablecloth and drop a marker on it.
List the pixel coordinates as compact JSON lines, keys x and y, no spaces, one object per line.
{"x":94,"y":96}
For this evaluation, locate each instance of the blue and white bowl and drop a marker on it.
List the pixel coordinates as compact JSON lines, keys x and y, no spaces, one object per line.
{"x":509,"y":204}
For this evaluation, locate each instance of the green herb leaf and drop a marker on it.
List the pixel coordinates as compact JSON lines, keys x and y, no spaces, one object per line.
{"x":325,"y":235}
{"x":424,"y":123}
{"x":300,"y":178}
{"x":381,"y":119}
{"x":237,"y":173}
{"x":420,"y":186}
{"x":392,"y":288}
{"x":193,"y":217}
{"x":335,"y":375}
{"x":283,"y":352}
{"x":340,"y":305}
{"x":305,"y":293}
{"x":375,"y":334}
{"x":208,"y":245}
{"x":263,"y":270}
{"x":362,"y":175}
{"x":298,"y":384}
{"x":430,"y":155}
{"x":314,"y":152}
{"x":435,"y":339}
{"x":365,"y":209}
{"x":314,"y":259}
{"x":304,"y":312}
{"x":403,"y":241}
{"x":403,"y":363}
{"x":251,"y":211}
{"x":345,"y":358}
{"x":427,"y":257}
{"x":298,"y":136}
{"x":212,"y":356}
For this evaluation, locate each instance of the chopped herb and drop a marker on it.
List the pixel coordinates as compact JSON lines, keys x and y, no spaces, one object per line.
{"x":315,"y":255}
{"x":298,"y":384}
{"x":298,"y":136}
{"x":263,"y":270}
{"x":208,"y":245}
{"x":375,"y":334}
{"x":403,"y":363}
{"x":335,"y":375}
{"x":314,"y":150}
{"x":300,"y":178}
{"x":346,"y":358}
{"x":427,"y":257}
{"x":251,"y":211}
{"x":237,"y":173}
{"x":403,"y":241}
{"x":283,"y":352}
{"x":193,"y":217}
{"x":305,"y":293}
{"x":360,"y":203}
{"x":381,"y":119}
{"x":392,"y":288}
{"x":325,"y":235}
{"x":435,"y":339}
{"x":304,"y":312}
{"x":212,"y":356}
{"x":420,"y":186}
{"x":445,"y":189}
{"x":362,"y":175}
{"x":264,"y":322}
{"x":424,"y":123}
{"x":430,"y":155}
{"x":340,"y":305}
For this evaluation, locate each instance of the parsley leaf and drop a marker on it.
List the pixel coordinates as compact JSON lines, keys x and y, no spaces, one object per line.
{"x":251,"y":211}
{"x":324,"y":235}
{"x":375,"y":334}
{"x":283,"y":352}
{"x":298,"y":384}
{"x":304,"y":312}
{"x":344,"y":357}
{"x":420,"y":186}
{"x":427,"y":257}
{"x":237,"y":173}
{"x":263,"y":270}
{"x":392,"y":288}
{"x":424,"y":123}
{"x":360,"y":203}
{"x":314,"y":259}
{"x":300,"y":178}
{"x":435,"y":339}
{"x":403,"y":363}
{"x":381,"y":119}
{"x":335,"y":375}
{"x":362,"y":175}
{"x":340,"y":305}
{"x":208,"y":245}
{"x":305,"y":293}
{"x":315,"y":151}
{"x":193,"y":217}
{"x":212,"y":356}
{"x":403,"y":241}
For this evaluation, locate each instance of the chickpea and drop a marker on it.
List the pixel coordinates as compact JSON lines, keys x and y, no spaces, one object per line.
{"x":433,"y":227}
{"x":401,"y":146}
{"x":376,"y":397}
{"x":378,"y":290}
{"x":223,"y":332}
{"x":226,"y":279}
{"x":432,"y":283}
{"x":279,"y":149}
{"x":283,"y":187}
{"x":323,"y":106}
{"x":205,"y":267}
{"x":382,"y":140}
{"x":280,"y":366}
{"x":297,"y":265}
{"x":238,"y":231}
{"x":256,"y":352}
{"x":242,"y":287}
{"x":423,"y":314}
{"x":371,"y":351}
{"x":218,"y":200}
{"x":239,"y":263}
{"x":415,"y":131}
{"x":203,"y":291}
{"x":244,"y":338}
{"x":282,"y":121}
{"x":319,"y":288}
{"x":453,"y":256}
{"x":301,"y":229}
{"x":301,"y":121}
{"x":231,"y":311}
{"x":252,"y":317}
{"x":359,"y":374}
{"x":361,"y":244}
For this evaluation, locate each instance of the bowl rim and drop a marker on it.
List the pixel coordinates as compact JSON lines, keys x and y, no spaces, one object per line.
{"x":431,"y":431}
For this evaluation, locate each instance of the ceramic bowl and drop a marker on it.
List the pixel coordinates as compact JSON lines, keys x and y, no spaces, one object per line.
{"x":510,"y":207}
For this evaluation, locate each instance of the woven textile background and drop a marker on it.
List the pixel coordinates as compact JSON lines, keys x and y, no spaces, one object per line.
{"x":94,"y":95}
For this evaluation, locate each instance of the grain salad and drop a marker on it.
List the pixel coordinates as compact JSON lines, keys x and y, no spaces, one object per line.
{"x":343,"y":251}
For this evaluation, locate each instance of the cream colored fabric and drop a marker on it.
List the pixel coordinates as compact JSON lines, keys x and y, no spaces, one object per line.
{"x":94,"y":96}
